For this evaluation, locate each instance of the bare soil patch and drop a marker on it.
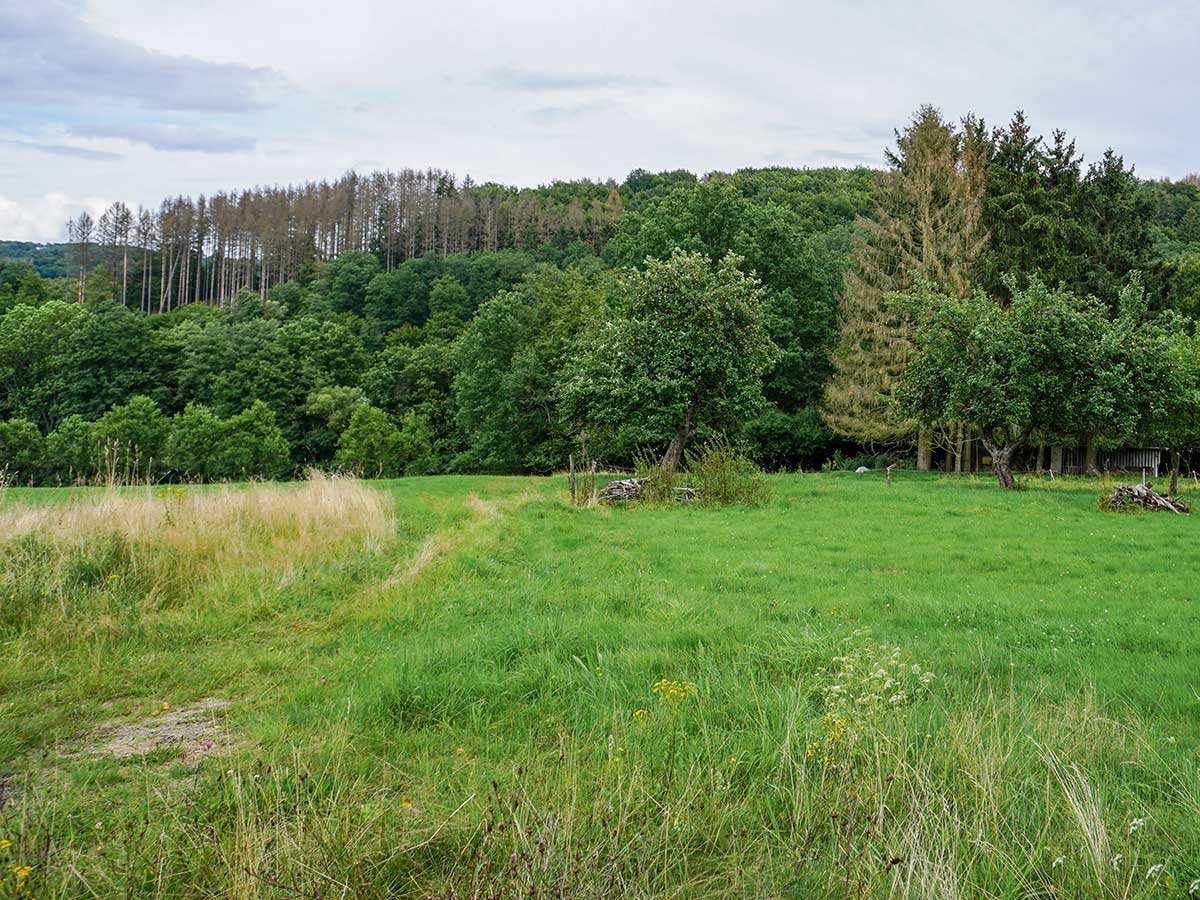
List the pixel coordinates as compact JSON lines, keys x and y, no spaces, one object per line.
{"x":196,"y":729}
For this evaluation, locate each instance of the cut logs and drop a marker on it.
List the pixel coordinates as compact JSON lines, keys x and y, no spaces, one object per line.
{"x":1127,"y":497}
{"x":624,"y":490}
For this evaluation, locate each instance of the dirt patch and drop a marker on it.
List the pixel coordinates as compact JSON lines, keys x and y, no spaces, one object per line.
{"x":196,"y":729}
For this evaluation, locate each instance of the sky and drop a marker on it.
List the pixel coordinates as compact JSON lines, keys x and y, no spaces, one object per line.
{"x":136,"y":100}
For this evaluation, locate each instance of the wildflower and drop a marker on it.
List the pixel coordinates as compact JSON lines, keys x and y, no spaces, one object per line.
{"x":406,"y":803}
{"x":5,"y":844}
{"x":1058,"y":861}
{"x":99,"y":825}
{"x":1116,"y":861}
{"x":639,"y":715}
{"x":1136,"y":824}
{"x":1153,"y":871}
{"x":20,"y":871}
{"x":1194,"y":888}
{"x":673,"y":692}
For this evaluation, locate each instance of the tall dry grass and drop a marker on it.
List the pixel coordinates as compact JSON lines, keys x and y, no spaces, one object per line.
{"x":161,"y":543}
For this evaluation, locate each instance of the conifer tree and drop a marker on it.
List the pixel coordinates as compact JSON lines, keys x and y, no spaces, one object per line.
{"x":928,"y":228}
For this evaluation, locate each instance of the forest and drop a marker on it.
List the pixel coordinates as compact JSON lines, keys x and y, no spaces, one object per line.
{"x":985,"y":284}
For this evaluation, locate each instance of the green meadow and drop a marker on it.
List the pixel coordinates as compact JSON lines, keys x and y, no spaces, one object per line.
{"x":460,"y":687}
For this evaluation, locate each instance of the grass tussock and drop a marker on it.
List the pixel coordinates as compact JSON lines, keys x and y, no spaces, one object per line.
{"x":159,"y":544}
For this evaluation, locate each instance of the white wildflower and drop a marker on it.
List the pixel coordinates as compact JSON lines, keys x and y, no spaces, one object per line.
{"x":1136,"y":824}
{"x":1058,"y":861}
{"x":1116,"y":861}
{"x":1153,"y":871}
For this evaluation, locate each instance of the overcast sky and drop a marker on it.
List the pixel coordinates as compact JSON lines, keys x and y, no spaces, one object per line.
{"x":103,"y":100}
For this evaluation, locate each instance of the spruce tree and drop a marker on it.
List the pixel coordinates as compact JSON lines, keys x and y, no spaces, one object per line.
{"x":928,"y":228}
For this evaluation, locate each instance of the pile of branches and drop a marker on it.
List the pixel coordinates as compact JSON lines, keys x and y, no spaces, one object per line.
{"x":625,"y":489}
{"x":1128,"y":497}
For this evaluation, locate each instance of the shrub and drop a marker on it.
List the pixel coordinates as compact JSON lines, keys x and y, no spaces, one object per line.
{"x":73,"y":450}
{"x":725,"y":476}
{"x":252,"y":445}
{"x":133,"y":437}
{"x":193,"y":447}
{"x":370,"y":445}
{"x":22,"y":449}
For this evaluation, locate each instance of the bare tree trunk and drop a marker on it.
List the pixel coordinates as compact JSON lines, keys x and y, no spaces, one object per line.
{"x":1001,"y":463}
{"x":685,"y":430}
{"x":1175,"y":459}
{"x":1089,"y":456}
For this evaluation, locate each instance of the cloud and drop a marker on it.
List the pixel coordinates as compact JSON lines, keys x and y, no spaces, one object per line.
{"x":556,"y":115}
{"x":168,"y":137}
{"x":43,"y":219}
{"x":535,"y":81}
{"x":63,"y":150}
{"x":50,"y":56}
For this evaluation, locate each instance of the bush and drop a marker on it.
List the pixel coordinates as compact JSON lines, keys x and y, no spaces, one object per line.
{"x":22,"y":450}
{"x":252,"y":445}
{"x":725,"y":476}
{"x":370,"y":445}
{"x":133,"y":438}
{"x":73,"y":450}
{"x":194,"y":446}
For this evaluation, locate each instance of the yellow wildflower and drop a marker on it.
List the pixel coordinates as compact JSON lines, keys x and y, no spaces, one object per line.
{"x":673,"y":692}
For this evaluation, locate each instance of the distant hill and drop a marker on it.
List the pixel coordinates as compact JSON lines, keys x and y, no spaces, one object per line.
{"x":48,"y":259}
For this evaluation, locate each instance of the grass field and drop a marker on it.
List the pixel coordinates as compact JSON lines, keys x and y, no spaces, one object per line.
{"x":466,"y":687}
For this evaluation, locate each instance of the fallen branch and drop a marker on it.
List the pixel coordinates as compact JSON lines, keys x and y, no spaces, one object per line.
{"x":1126,"y":497}
{"x":624,"y":490}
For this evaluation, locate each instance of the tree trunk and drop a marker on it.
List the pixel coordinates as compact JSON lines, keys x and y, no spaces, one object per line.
{"x":1175,"y":459}
{"x":685,"y":430}
{"x":1001,"y":463}
{"x":959,"y":446}
{"x":1089,"y":456}
{"x":924,"y":451}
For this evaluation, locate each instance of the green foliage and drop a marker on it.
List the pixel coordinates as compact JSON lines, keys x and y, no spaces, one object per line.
{"x":1037,"y":365}
{"x":725,"y":475}
{"x":133,"y":437}
{"x":252,"y":446}
{"x":684,"y":347}
{"x":195,"y":445}
{"x":508,"y":364}
{"x":417,"y":379}
{"x":73,"y":451}
{"x":22,"y":450}
{"x":346,"y":280}
{"x":328,"y":411}
{"x":371,"y":445}
{"x":31,"y":340}
{"x":1051,"y":220}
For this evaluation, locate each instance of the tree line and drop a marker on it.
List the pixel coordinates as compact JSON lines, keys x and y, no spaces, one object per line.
{"x":403,"y":323}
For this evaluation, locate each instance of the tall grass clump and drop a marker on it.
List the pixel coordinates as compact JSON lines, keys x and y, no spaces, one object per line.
{"x":154,"y":546}
{"x":724,"y":475}
{"x":718,"y":473}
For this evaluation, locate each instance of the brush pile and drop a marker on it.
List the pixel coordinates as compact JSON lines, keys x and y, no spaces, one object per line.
{"x":1129,"y":497}
{"x":624,"y":490}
